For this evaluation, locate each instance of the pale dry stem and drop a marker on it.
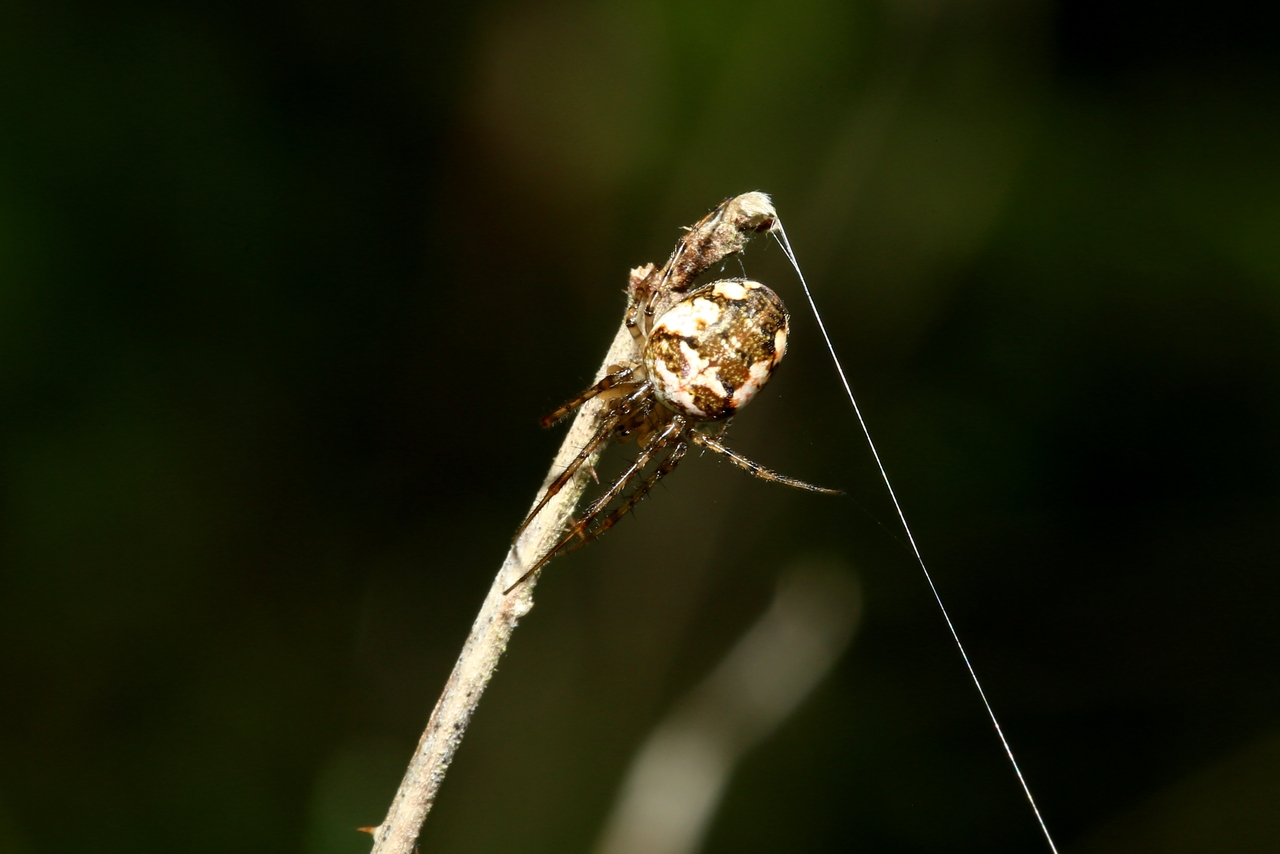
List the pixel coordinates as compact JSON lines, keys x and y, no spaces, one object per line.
{"x":498,"y":616}
{"x":723,"y":232}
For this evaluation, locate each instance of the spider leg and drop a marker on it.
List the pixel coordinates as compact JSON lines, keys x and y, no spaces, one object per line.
{"x":668,"y":465}
{"x":639,"y":293}
{"x":757,"y":469}
{"x":601,"y":436}
{"x":618,"y":410}
{"x":656,"y":443}
{"x":620,"y":376}
{"x":721,"y":429}
{"x":676,"y":273}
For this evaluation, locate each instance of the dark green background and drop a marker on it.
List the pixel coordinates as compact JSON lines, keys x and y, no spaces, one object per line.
{"x":285,"y":288}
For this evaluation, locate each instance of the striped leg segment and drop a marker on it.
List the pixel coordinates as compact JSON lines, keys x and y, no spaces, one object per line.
{"x":619,"y":409}
{"x":668,"y":465}
{"x":619,"y":376}
{"x":659,"y":440}
{"x":756,"y":469}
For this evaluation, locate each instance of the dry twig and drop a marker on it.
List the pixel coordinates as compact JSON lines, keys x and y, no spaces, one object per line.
{"x":489,"y":635}
{"x":722,"y":233}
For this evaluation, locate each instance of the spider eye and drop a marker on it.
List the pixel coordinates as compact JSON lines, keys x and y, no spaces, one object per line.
{"x":710,"y":353}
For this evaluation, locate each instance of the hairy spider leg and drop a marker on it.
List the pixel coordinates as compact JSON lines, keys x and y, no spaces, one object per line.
{"x":671,"y":275}
{"x":601,"y":436}
{"x":656,"y":443}
{"x":641,"y":292}
{"x":668,"y":465}
{"x":758,"y":470}
{"x":618,"y":410}
{"x":647,"y":290}
{"x":620,"y":375}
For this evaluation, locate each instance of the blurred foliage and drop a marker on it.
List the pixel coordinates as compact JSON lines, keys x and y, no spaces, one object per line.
{"x":284,"y":289}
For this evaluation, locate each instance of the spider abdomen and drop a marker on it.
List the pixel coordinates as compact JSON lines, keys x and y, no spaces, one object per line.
{"x":710,"y":353}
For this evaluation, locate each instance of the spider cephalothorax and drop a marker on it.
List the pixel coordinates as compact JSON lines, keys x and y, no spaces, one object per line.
{"x":701,"y":354}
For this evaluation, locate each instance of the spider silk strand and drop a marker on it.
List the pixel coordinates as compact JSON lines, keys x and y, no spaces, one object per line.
{"x":781,"y":236}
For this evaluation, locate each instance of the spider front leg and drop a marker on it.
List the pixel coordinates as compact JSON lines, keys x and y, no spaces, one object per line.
{"x":758,"y":470}
{"x":659,"y":440}
{"x":618,"y":375}
{"x":639,"y":297}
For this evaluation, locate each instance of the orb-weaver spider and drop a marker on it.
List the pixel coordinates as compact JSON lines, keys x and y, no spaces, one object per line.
{"x":701,"y":354}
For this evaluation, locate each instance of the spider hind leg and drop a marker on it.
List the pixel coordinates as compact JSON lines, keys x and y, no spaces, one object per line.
{"x":628,"y":504}
{"x":753,"y":468}
{"x":621,"y":410}
{"x":579,"y":529}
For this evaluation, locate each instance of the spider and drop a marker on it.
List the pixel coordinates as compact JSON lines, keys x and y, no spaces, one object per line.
{"x":701,"y":354}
